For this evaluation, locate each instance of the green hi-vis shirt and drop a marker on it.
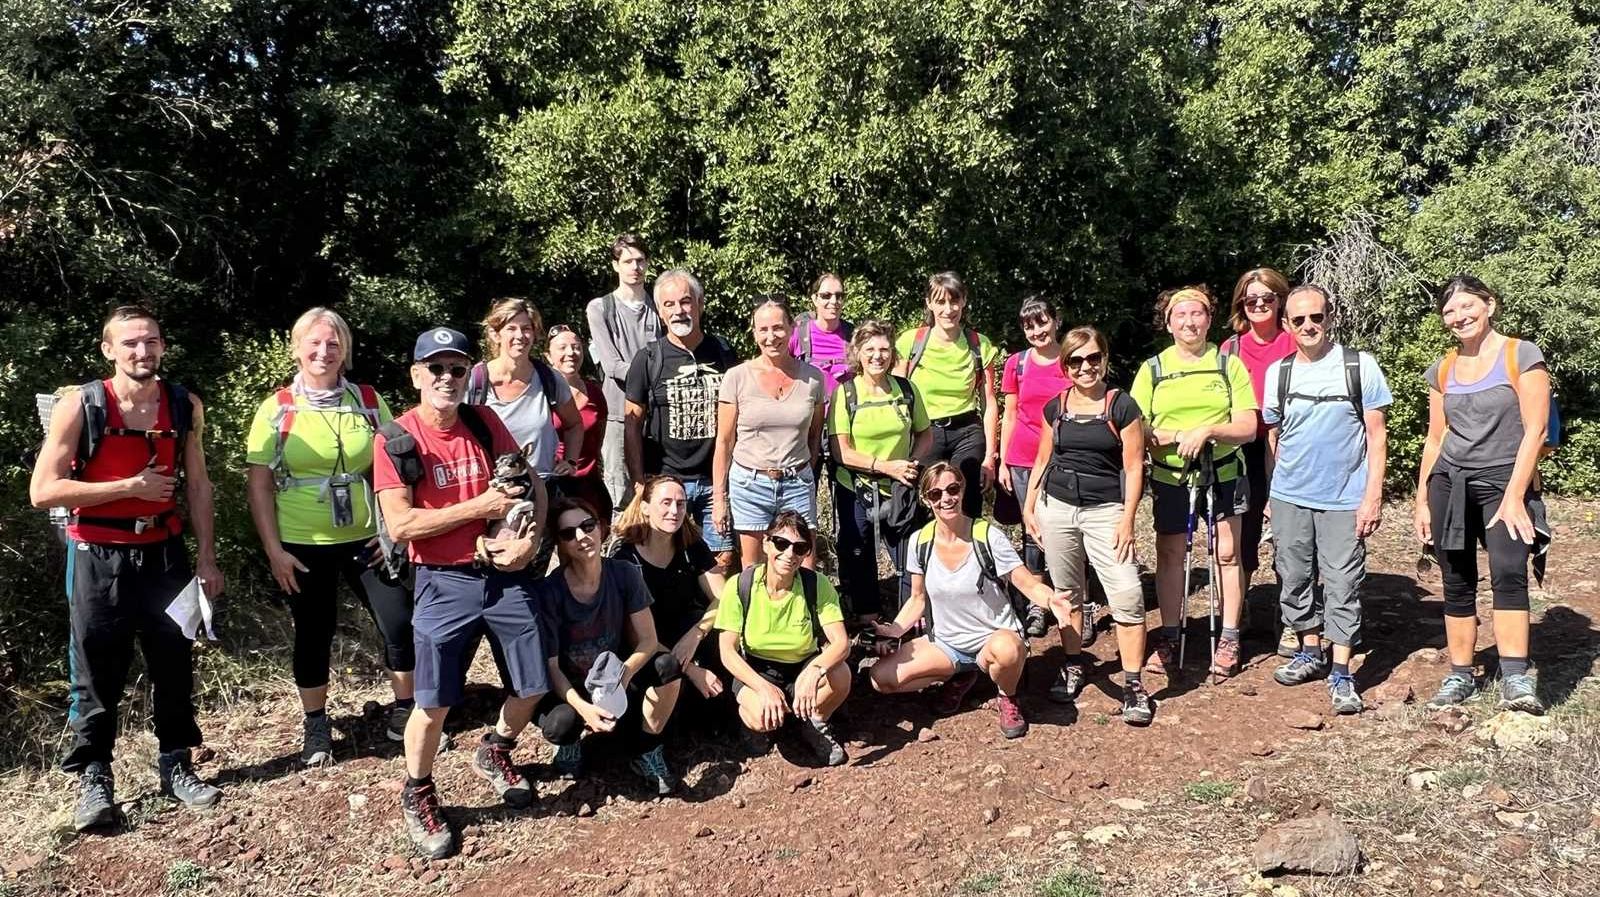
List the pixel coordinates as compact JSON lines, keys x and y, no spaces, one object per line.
{"x":312,"y":449}
{"x":1197,"y":396}
{"x":779,"y":628}
{"x":883,"y":427}
{"x":944,"y":377}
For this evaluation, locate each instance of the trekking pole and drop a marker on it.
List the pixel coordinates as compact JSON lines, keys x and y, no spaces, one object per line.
{"x":1208,"y":476}
{"x":1188,"y":567}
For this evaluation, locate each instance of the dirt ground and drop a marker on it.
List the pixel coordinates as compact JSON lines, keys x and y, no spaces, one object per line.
{"x":1083,"y":805}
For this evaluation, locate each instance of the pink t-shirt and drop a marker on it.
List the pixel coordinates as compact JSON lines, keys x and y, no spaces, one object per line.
{"x":454,"y":469}
{"x":1257,"y":357}
{"x":1041,"y":381}
{"x":828,"y":354}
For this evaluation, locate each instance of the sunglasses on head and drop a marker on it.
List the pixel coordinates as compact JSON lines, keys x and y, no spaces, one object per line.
{"x":558,"y":330}
{"x":1078,"y":361}
{"x":457,"y":371}
{"x":1315,"y":317}
{"x":800,"y":546}
{"x":953,"y":491}
{"x":586,"y":526}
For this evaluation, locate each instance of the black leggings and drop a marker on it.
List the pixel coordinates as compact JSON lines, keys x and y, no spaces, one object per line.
{"x":562,"y":725}
{"x":1254,"y":454}
{"x":315,"y":609}
{"x":857,"y":553}
{"x":1508,"y":558}
{"x":962,"y":445}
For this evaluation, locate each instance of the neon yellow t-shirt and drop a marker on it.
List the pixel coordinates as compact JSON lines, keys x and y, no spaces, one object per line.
{"x":883,"y":427}
{"x":312,"y":449}
{"x":1192,"y":394}
{"x":779,"y":628}
{"x":944,"y":377}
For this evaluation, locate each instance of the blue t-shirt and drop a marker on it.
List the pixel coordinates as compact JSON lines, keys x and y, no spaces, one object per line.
{"x":577,"y":632}
{"x":1322,"y":447}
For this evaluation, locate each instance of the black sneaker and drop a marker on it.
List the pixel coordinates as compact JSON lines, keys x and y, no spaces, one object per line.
{"x":652,"y":766}
{"x":179,"y":782}
{"x":1137,"y":708}
{"x":317,"y":749}
{"x":817,"y":733}
{"x":97,"y":803}
{"x":493,"y":763}
{"x":398,"y":717}
{"x":756,"y":744}
{"x":1038,"y":623}
{"x":426,"y":823}
{"x":1089,"y":632}
{"x":1068,"y":684}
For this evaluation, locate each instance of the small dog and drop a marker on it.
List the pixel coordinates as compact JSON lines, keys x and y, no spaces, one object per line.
{"x":511,"y":470}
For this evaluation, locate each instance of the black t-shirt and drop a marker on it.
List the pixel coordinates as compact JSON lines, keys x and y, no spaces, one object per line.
{"x":679,"y":603}
{"x":680,"y":401}
{"x":577,"y":632}
{"x":1086,"y":456}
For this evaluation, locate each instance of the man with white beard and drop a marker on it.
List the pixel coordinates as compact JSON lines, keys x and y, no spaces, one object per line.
{"x":672,"y":390}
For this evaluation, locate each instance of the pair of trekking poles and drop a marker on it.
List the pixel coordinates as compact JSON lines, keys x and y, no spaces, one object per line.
{"x":1200,"y":473}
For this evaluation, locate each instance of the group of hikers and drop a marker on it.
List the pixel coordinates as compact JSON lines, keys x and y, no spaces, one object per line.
{"x":650,"y":537}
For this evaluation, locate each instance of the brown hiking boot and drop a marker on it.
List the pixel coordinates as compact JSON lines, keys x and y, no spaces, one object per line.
{"x":1226,"y":663}
{"x":1163,"y":658}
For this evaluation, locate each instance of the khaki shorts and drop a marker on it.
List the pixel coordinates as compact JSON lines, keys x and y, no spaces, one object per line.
{"x":1071,"y":535}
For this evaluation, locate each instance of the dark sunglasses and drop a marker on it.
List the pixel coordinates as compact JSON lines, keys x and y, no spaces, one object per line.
{"x":1268,"y":299}
{"x":1315,"y":317}
{"x":780,"y":544}
{"x":932,"y":495}
{"x":457,"y":371}
{"x":568,"y":533}
{"x":1078,"y":361}
{"x":826,"y":296}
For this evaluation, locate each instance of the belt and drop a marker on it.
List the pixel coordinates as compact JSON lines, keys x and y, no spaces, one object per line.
{"x":778,"y":473}
{"x":135,"y":525}
{"x":959,"y":420}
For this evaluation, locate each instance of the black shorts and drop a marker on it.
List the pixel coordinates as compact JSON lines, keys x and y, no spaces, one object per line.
{"x":781,"y":674}
{"x":1171,"y":504}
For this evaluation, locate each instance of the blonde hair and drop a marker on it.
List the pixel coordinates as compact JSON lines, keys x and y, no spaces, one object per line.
{"x":869,"y":330}
{"x":311,"y":317}
{"x":501,"y":313}
{"x":1082,"y":335}
{"x":633,"y":528}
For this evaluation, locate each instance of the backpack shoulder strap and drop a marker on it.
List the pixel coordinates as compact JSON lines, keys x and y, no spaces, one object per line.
{"x":1021,"y":368}
{"x":1285,"y":374}
{"x":908,"y":395}
{"x":747,"y":584}
{"x":608,"y":310}
{"x":401,"y":447}
{"x":1222,"y":370}
{"x":924,"y":542}
{"x":1513,"y":372}
{"x":808,"y":591}
{"x":182,"y":411}
{"x":92,"y":396}
{"x":371,"y":406}
{"x":919,"y":345}
{"x":1111,"y":395}
{"x":802,"y":325}
{"x":473,"y":418}
{"x":283,"y":422}
{"x":1352,"y":382}
{"x":847,"y":331}
{"x":980,"y":547}
{"x":1230,"y":346}
{"x":478,"y":384}
{"x":1446,"y":365}
{"x":852,"y":400}
{"x":547,"y":382}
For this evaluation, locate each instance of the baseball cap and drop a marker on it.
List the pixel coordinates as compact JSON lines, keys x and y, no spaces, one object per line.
{"x":440,"y":340}
{"x":604,"y":683}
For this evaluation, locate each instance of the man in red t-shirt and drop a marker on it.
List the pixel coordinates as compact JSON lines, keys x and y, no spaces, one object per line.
{"x":117,"y":453}
{"x":431,"y":471}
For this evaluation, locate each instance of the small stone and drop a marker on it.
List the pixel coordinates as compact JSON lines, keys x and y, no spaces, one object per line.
{"x":994,"y":769}
{"x":1319,"y":845}
{"x":586,"y":809}
{"x":1423,"y":780}
{"x":1497,"y":795}
{"x":1510,"y":730}
{"x":990,"y":814}
{"x":1285,"y":891}
{"x":1390,"y":712}
{"x":1429,"y":655}
{"x":703,"y":831}
{"x":472,"y":831}
{"x":418,"y":864}
{"x":1471,"y":792}
{"x":1510,"y":819}
{"x":1303,"y":719}
{"x":926,"y":735}
{"x":739,"y":802}
{"x":1105,"y":834}
{"x":202,"y":754}
{"x":1248,"y":689}
{"x":1513,"y":846}
{"x":1098,"y":781}
{"x":357,"y":802}
{"x":906,"y":725}
{"x":1021,"y":831}
{"x":395,"y":862}
{"x":800,"y":780}
{"x":428,"y":877}
{"x":1392,"y":693}
{"x":1452,"y":721}
{"x":1261,"y":749}
{"x":1256,"y":789}
{"x":1472,"y":882}
{"x":1131,"y":804}
{"x":250,"y":857}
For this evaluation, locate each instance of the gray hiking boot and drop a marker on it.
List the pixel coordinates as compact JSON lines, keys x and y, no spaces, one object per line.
{"x":493,"y":763}
{"x":819,"y":736}
{"x":568,"y":762}
{"x":1068,"y":684}
{"x":179,"y":782}
{"x":1288,"y":643}
{"x":1038,"y":623}
{"x":97,"y":803}
{"x":1137,"y":709}
{"x":1457,"y":688}
{"x":426,"y":824}
{"x":1519,"y":692}
{"x":652,"y":766}
{"x":1342,"y":694}
{"x":1302,"y":668}
{"x":317,"y":746}
{"x":1090,"y":634}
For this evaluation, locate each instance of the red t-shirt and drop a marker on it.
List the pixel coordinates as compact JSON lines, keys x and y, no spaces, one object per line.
{"x":593,"y":416}
{"x":454,"y":469}
{"x":1257,"y":357}
{"x":1041,"y":382}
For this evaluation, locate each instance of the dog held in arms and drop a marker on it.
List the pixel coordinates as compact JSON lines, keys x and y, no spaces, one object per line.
{"x":511,"y":470}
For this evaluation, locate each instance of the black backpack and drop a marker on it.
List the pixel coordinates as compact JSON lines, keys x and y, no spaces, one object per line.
{"x":808,"y":588}
{"x":401,"y":446}
{"x":980,"y":547}
{"x":478,"y":384}
{"x":1352,"y":387}
{"x":802,"y":324}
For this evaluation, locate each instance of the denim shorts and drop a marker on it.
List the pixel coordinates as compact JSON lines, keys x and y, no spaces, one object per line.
{"x":698,"y":492}
{"x":962,"y":661}
{"x":756,"y":498}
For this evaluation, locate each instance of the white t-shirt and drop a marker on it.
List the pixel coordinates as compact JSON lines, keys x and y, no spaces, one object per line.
{"x":530,"y":419}
{"x":965,"y":614}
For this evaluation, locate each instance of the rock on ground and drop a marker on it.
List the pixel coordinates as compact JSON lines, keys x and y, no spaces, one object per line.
{"x":1318,"y":844}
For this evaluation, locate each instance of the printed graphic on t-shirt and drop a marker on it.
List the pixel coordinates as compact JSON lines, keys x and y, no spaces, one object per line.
{"x":692,"y":402}
{"x":455,"y":471}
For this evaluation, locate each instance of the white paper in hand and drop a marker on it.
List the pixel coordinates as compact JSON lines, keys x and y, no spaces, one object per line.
{"x":192,"y":611}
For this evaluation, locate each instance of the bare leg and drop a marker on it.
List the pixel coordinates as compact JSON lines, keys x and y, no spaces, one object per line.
{"x":658,"y":704}
{"x":1001,"y":660}
{"x":422,"y":739}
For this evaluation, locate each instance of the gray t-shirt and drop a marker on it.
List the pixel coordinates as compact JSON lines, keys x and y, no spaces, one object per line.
{"x":614,"y":341}
{"x":772,"y":432}
{"x":1484,"y":418}
{"x":965,"y":615}
{"x":530,"y":420}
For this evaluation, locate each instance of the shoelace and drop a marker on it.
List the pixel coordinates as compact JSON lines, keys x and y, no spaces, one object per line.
{"x":501,"y":758}
{"x":184,"y":776}
{"x":1305,"y":657}
{"x":425,"y":804}
{"x":655,"y":763}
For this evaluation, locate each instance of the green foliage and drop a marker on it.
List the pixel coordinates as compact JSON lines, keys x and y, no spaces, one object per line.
{"x":184,"y":875}
{"x":1209,"y":791}
{"x":981,"y":883}
{"x":1069,"y":882}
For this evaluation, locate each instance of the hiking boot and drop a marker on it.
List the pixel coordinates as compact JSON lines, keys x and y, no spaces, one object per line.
{"x":493,"y":763}
{"x":179,"y":782}
{"x":1457,"y":688}
{"x":317,"y":744}
{"x":1137,"y":708}
{"x":1302,"y":668}
{"x":756,"y":744}
{"x":1069,"y":682}
{"x":954,"y":692}
{"x":1288,"y":643}
{"x":652,"y":765}
{"x":568,"y":762}
{"x":818,"y":735}
{"x":1342,"y":694}
{"x":1226,"y":662}
{"x":1012,"y":723}
{"x":1038,"y":622}
{"x":1089,"y":632}
{"x":425,"y":821}
{"x":97,"y":803}
{"x":396,"y":729}
{"x":1163,"y":657}
{"x":1517,"y":692}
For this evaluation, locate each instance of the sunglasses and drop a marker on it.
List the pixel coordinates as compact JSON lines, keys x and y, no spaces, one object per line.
{"x":558,"y":330}
{"x":1315,"y":317}
{"x":457,"y":371}
{"x":800,"y":546}
{"x":1093,"y":358}
{"x":568,"y":533}
{"x":953,"y":491}
{"x":830,"y":296}
{"x":1268,"y":299}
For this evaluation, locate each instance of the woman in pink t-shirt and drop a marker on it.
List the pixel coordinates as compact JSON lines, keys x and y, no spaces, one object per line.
{"x":1259,"y":339}
{"x":1031,"y":378}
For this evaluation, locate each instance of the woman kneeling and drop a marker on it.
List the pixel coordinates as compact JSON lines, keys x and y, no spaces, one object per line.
{"x":596,"y":610}
{"x":956,"y":568}
{"x":784,"y":644}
